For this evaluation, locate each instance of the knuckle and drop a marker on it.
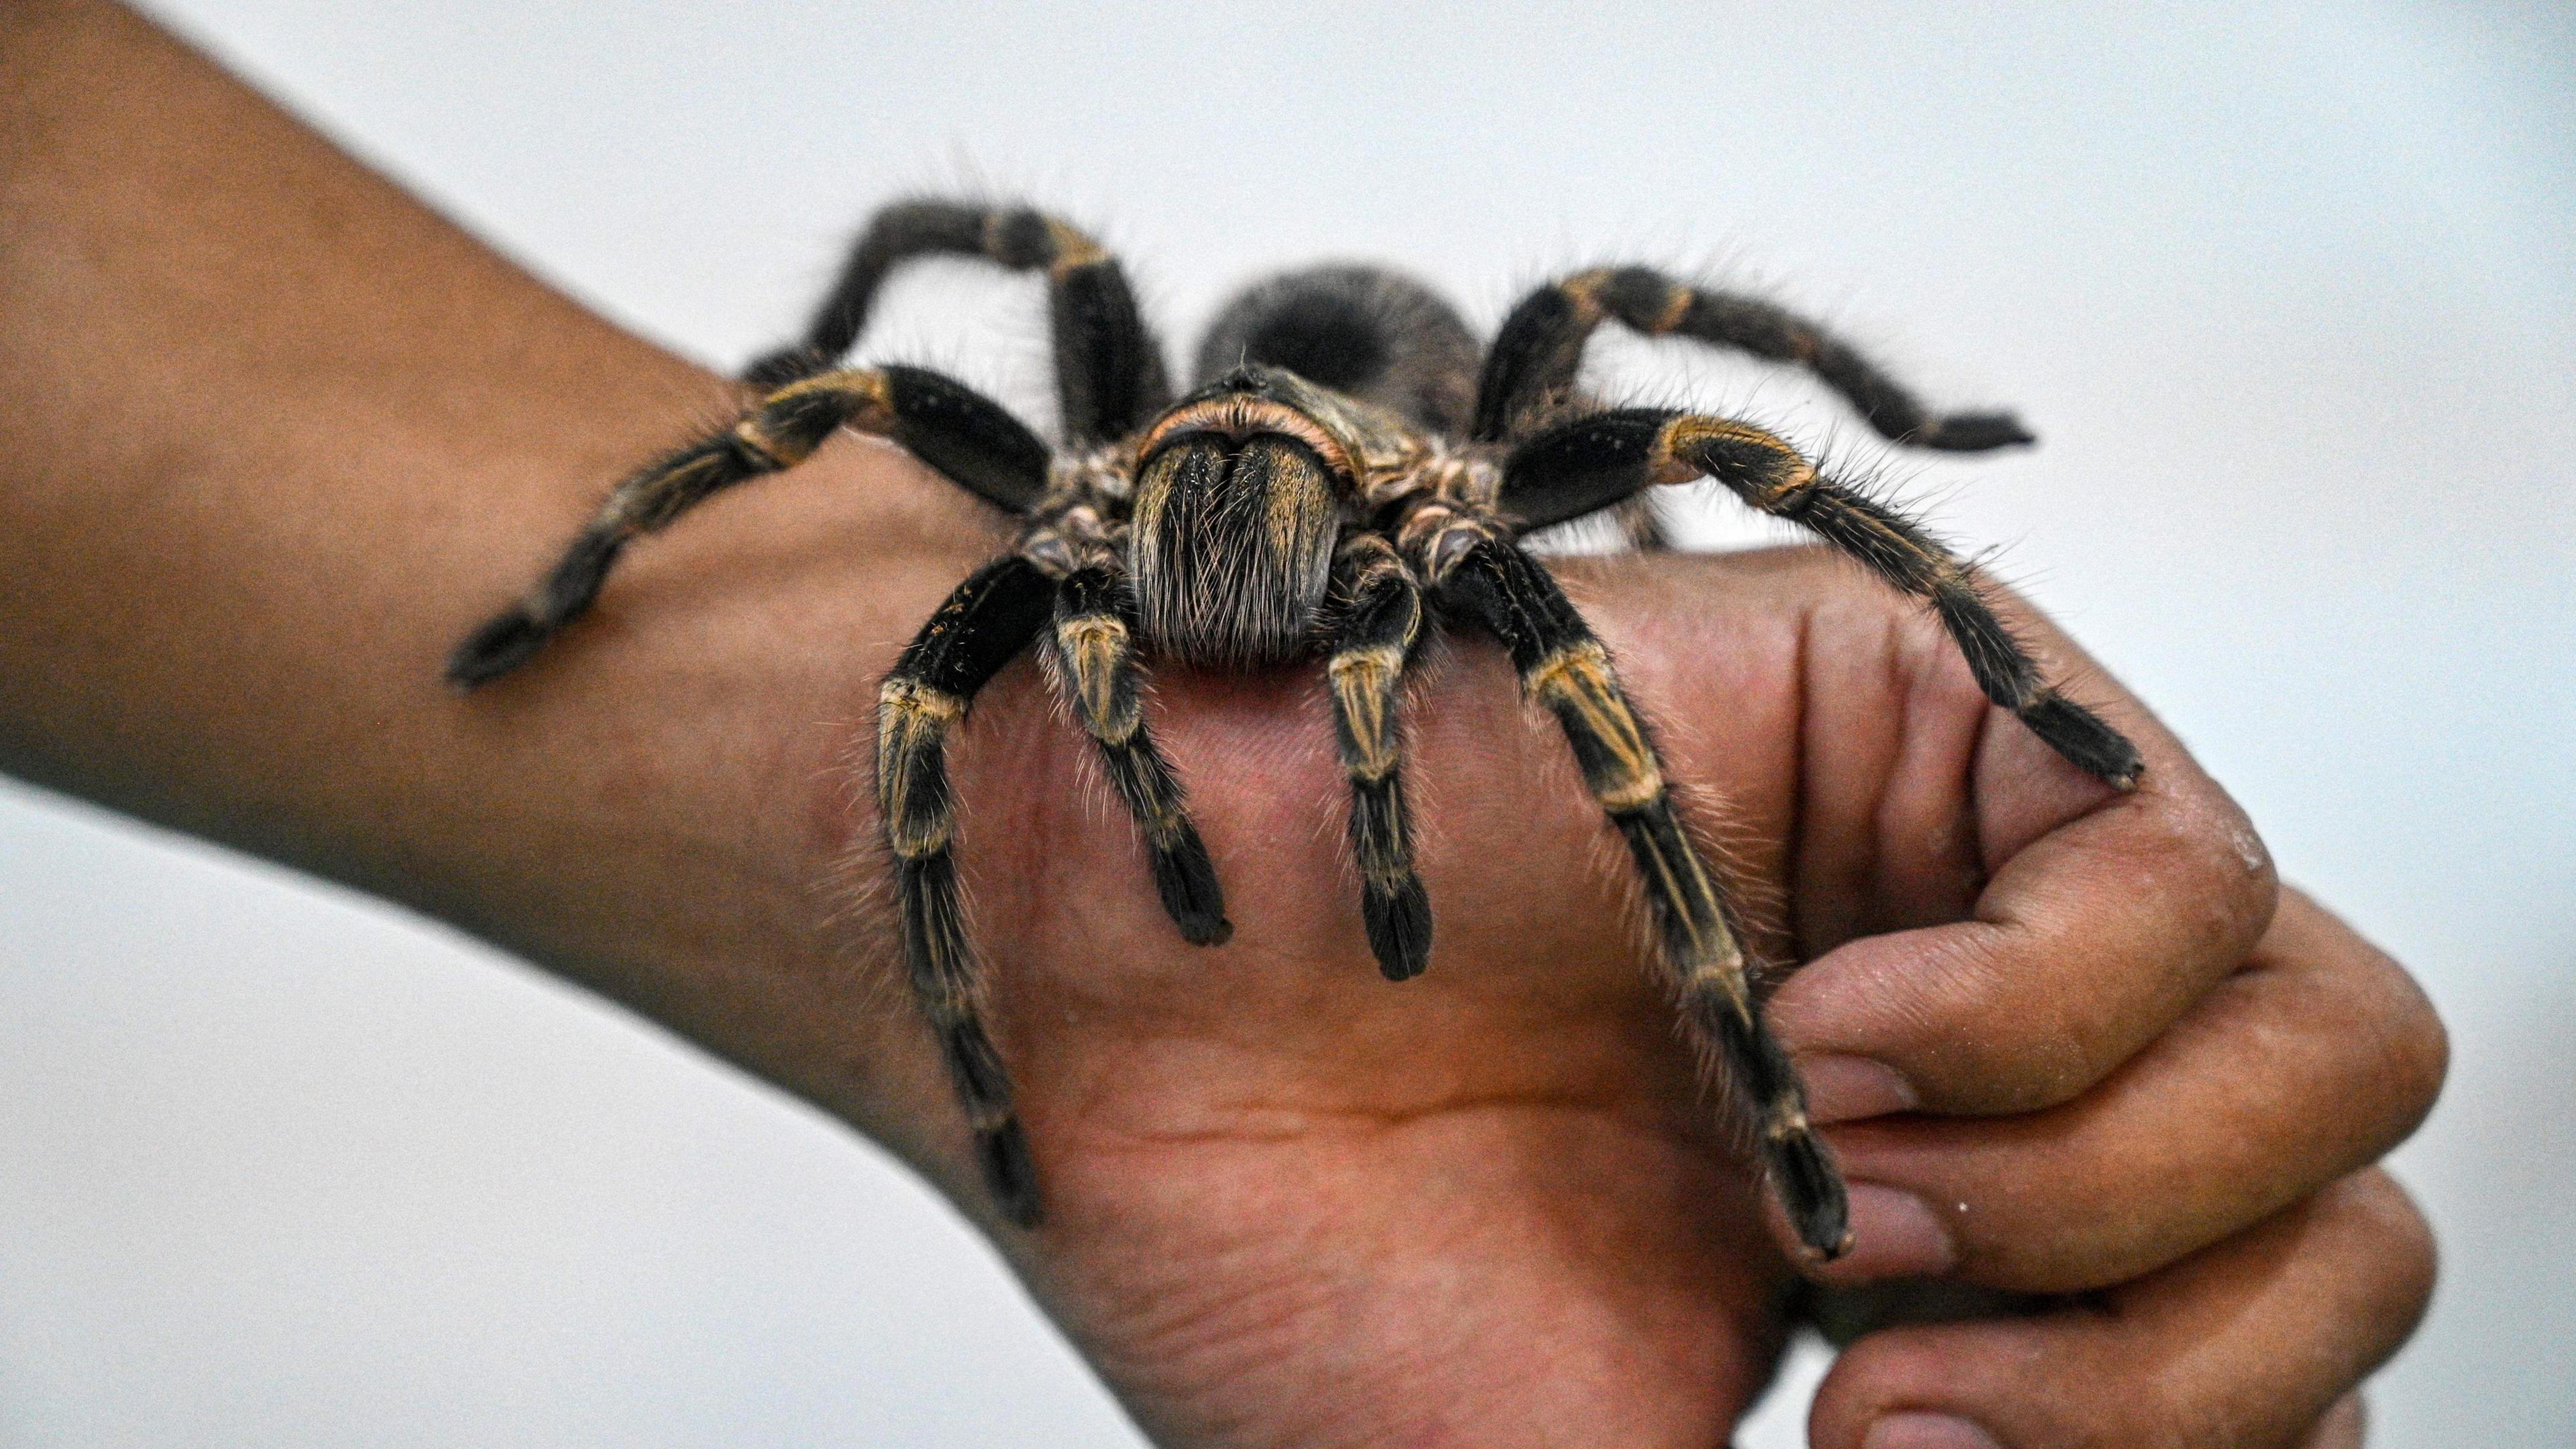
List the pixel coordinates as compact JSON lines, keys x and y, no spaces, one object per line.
{"x":2223,"y":865}
{"x":2415,"y":1051}
{"x":2394,"y":1255}
{"x":2393,"y":1050}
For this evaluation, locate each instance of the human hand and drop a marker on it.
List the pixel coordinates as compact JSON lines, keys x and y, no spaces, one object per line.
{"x":2072,"y":1046}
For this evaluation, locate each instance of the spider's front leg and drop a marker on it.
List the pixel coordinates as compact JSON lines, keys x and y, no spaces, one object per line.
{"x":1600,"y":460}
{"x":1563,"y":666}
{"x":1380,"y":604}
{"x":1093,"y":650}
{"x":955,"y":430}
{"x":985,"y":623}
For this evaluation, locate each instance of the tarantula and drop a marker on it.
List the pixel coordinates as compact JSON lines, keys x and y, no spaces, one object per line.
{"x":1351,"y":469}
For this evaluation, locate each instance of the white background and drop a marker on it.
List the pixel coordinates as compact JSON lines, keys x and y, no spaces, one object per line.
{"x":2291,"y":299}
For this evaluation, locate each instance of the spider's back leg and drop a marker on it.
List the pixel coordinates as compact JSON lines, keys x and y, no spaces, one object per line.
{"x":1540,"y":347}
{"x":1371,"y":333}
{"x":1563,"y":666}
{"x":1110,"y":376}
{"x":987,"y":621}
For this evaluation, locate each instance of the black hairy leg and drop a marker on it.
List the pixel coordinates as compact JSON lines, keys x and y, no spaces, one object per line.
{"x":895,"y":235}
{"x":1536,"y":355}
{"x":1374,"y":334}
{"x":1700,"y":942}
{"x":987,"y":621}
{"x":1594,"y":461}
{"x":1093,"y":651}
{"x":1110,"y":377}
{"x":1381,"y":617}
{"x":955,"y":430}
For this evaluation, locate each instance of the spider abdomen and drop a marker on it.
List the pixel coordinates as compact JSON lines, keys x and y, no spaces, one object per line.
{"x":1233,"y":548}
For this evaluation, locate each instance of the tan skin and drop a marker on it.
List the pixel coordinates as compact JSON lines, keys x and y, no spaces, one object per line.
{"x":278,"y":436}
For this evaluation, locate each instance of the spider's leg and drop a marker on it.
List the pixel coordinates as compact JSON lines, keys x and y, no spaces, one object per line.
{"x":896,"y":234}
{"x":1563,"y":666}
{"x":1095,"y":660}
{"x":1595,"y":461}
{"x":1534,"y":357}
{"x":945,"y":424}
{"x":989,"y":619}
{"x":1109,"y":368}
{"x":1381,"y":618}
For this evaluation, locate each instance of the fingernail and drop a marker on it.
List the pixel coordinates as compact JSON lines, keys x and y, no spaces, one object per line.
{"x":1926,"y":1431}
{"x":1846,"y":1089}
{"x":1894,"y":1235}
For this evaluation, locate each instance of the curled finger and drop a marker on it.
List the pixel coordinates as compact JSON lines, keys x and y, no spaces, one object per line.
{"x":2308,"y":1064}
{"x":2245,"y":1345}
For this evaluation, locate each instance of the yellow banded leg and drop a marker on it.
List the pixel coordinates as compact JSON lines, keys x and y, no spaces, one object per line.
{"x":948,"y":426}
{"x":1096,"y":672}
{"x":1539,"y":350}
{"x":1382,"y":616}
{"x":1109,"y":369}
{"x":1602,"y":459}
{"x":1699,"y":945}
{"x":1767,"y":473}
{"x":989,"y":619}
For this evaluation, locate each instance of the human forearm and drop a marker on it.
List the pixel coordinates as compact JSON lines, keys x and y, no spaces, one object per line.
{"x":251,"y":387}
{"x":277,"y":434}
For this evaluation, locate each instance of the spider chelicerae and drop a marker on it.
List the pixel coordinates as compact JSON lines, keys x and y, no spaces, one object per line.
{"x":1352,"y":469}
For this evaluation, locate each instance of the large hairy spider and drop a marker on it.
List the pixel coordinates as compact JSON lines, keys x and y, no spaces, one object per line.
{"x":1351,"y":467}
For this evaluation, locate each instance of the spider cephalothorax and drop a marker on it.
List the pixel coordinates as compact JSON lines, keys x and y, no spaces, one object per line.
{"x":1352,"y":468}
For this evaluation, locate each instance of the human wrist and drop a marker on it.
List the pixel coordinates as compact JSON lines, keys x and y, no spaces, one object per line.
{"x":683,"y":777}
